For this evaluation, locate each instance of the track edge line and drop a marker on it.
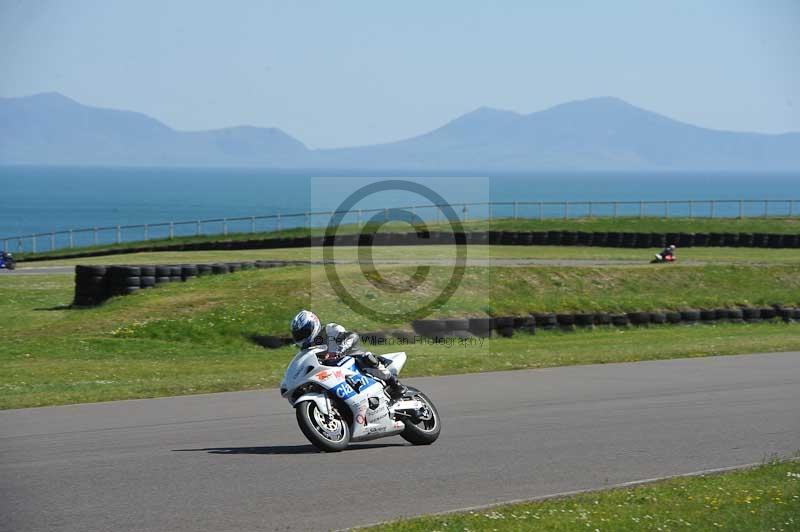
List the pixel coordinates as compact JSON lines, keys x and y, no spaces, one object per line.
{"x":640,"y":482}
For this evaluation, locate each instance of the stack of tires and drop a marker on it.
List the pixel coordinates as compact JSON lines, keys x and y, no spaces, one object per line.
{"x":91,"y":285}
{"x":95,"y":284}
{"x":124,"y":280}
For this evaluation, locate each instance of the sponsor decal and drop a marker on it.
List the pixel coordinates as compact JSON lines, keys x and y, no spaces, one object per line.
{"x":378,"y":415}
{"x":343,"y":391}
{"x":361,"y":420}
{"x":376,"y":429}
{"x":322,"y":375}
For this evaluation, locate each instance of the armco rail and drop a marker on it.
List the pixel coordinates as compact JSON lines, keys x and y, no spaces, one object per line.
{"x":723,"y":208}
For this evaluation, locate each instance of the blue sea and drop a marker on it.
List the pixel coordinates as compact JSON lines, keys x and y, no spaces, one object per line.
{"x":47,"y":199}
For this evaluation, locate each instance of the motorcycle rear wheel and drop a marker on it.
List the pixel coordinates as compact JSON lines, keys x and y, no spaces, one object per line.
{"x":329,"y":435}
{"x":425,"y":430}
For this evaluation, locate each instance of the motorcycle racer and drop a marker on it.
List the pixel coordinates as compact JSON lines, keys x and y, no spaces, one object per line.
{"x":667,"y":255}
{"x":307,"y":330}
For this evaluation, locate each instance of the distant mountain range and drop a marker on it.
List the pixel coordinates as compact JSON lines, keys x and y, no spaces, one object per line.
{"x":594,"y":134}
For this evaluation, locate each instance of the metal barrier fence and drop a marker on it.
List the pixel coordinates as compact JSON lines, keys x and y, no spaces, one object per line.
{"x":537,"y":210}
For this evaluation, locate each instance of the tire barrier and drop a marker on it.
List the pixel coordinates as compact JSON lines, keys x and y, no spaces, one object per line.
{"x":759,"y":240}
{"x":566,"y":322}
{"x":545,"y":321}
{"x":506,"y":326}
{"x":514,"y":238}
{"x":602,"y":318}
{"x":481,"y":327}
{"x":91,"y":285}
{"x":569,"y":238}
{"x":658,"y":318}
{"x":96,"y":284}
{"x":585,"y":239}
{"x":639,"y":318}
{"x":620,"y":320}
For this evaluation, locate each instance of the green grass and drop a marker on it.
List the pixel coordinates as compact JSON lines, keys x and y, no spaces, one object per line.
{"x":101,"y":367}
{"x":644,"y":225}
{"x":262,"y":301}
{"x":627,"y":224}
{"x":195,"y":337}
{"x":688,"y":255}
{"x":760,"y":498}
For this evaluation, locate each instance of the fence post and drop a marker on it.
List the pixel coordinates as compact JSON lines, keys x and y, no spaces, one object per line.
{"x":766,"y":208}
{"x":741,"y":210}
{"x":279,"y":221}
{"x":464,"y":210}
{"x":119,"y":235}
{"x":308,"y":220}
{"x":641,"y":209}
{"x":615,"y":209}
{"x":488,"y":204}
{"x":666,"y":208}
{"x":541,"y":211}
{"x":590,"y":208}
{"x":33,"y":243}
{"x":199,"y":228}
{"x":358,"y":218}
{"x":791,"y":208}
{"x":691,"y":208}
{"x":5,"y":245}
{"x":224,"y":227}
{"x":52,"y":241}
{"x":515,"y":211}
{"x":385,"y":214}
{"x":71,"y":241}
{"x":171,"y":230}
{"x":712,"y":208}
{"x":252,"y":224}
{"x":146,"y":232}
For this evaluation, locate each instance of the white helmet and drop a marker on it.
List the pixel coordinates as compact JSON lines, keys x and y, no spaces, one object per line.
{"x":672,"y":246}
{"x":305,"y":327}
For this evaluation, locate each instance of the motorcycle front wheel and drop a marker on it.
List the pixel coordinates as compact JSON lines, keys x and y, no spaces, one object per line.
{"x":11,"y":265}
{"x":425,"y":428}
{"x":326,"y":433}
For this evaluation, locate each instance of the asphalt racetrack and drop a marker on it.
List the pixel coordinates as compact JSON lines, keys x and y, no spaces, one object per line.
{"x":25,"y":269}
{"x":237,"y":461}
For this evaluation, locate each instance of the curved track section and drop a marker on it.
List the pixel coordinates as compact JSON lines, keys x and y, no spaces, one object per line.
{"x":237,"y":461}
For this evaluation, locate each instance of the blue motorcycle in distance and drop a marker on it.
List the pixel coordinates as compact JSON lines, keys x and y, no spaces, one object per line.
{"x":7,"y":261}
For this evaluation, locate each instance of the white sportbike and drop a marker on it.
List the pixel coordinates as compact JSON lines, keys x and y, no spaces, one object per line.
{"x":338,"y":404}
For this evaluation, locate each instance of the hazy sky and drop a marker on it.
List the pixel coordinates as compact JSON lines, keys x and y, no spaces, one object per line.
{"x":346,"y":73}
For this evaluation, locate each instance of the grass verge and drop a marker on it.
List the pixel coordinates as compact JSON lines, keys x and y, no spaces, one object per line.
{"x":688,"y":255}
{"x":196,"y":337}
{"x":82,"y":367}
{"x":760,"y":498}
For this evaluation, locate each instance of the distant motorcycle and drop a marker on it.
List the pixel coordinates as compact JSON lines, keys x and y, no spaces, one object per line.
{"x":659,"y":258}
{"x":335,"y":405}
{"x":7,"y":261}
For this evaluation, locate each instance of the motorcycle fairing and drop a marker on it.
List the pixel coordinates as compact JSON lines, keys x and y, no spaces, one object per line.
{"x":369,"y":406}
